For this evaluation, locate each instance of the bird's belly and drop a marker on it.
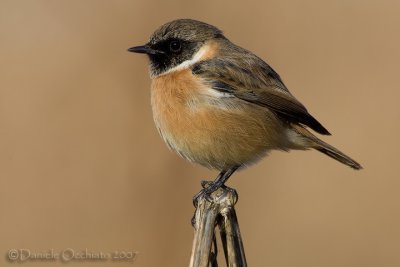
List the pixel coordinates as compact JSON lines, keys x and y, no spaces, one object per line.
{"x":214,"y":135}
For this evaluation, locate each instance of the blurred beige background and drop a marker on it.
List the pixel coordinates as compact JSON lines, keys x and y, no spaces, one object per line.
{"x":82,"y":166}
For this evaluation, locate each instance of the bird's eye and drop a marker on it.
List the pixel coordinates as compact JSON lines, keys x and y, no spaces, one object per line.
{"x":175,"y":46}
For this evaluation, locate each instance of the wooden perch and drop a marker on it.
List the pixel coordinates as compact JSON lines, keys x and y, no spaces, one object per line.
{"x":217,"y":209}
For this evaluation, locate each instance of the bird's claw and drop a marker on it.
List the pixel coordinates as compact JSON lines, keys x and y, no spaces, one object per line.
{"x":208,"y":188}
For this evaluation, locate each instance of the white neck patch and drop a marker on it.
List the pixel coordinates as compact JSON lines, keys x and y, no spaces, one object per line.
{"x":187,"y":63}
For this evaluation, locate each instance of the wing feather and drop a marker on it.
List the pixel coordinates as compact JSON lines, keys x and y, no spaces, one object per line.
{"x":253,"y":80}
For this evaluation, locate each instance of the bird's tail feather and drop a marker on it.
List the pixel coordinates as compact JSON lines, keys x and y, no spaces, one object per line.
{"x":334,"y":153}
{"x":311,"y":141}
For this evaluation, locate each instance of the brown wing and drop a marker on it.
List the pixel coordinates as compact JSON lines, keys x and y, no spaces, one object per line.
{"x":252,"y":80}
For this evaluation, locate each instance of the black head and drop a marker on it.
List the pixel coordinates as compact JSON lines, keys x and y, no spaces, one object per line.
{"x":175,"y":42}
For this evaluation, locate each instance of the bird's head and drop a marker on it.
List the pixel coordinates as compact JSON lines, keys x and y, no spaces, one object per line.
{"x":176,"y":44}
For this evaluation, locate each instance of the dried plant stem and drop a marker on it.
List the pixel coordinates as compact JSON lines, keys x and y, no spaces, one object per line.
{"x":210,"y":212}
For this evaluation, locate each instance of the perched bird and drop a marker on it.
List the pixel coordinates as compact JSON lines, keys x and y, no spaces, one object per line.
{"x":221,"y":106}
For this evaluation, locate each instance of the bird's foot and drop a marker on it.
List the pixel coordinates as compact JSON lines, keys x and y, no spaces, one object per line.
{"x":213,"y":194}
{"x":209,"y":187}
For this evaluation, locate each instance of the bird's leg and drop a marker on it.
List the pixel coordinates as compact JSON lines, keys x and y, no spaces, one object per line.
{"x":204,"y":184}
{"x":220,"y":180}
{"x":222,"y":177}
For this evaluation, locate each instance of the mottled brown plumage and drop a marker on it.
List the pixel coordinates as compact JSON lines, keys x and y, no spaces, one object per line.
{"x":220,"y":105}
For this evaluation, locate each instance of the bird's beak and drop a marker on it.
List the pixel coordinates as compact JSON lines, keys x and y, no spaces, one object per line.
{"x":144,"y":49}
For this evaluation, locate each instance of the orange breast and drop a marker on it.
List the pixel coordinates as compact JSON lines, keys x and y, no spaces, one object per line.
{"x":213,"y":131}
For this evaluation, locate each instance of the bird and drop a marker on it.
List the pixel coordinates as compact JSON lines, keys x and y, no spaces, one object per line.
{"x":221,"y":106}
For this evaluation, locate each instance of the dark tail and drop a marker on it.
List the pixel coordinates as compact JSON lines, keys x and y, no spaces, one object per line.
{"x":311,"y":141}
{"x":332,"y":152}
